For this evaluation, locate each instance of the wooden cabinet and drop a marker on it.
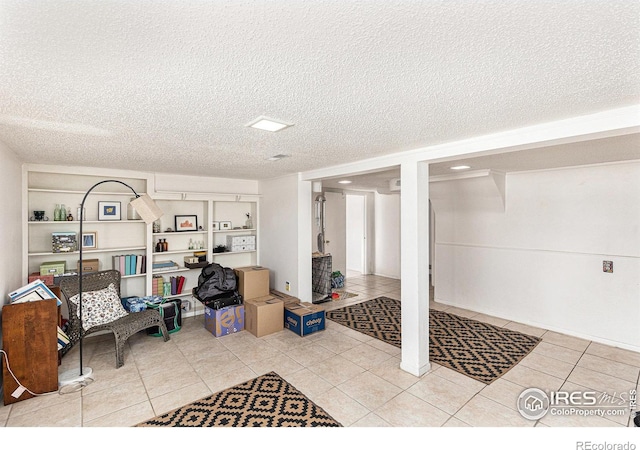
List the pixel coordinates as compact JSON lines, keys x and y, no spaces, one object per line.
{"x":30,"y":339}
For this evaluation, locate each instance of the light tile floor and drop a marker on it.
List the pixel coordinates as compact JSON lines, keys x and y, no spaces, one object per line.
{"x":355,"y":378}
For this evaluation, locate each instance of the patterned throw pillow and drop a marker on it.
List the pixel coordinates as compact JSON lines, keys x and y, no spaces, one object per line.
{"x":100,"y":307}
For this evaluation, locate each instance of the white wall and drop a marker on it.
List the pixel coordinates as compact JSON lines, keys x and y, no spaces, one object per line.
{"x":10,"y":223}
{"x":387,"y":236}
{"x":539,"y":259}
{"x":284,"y":236}
{"x":355,"y":233}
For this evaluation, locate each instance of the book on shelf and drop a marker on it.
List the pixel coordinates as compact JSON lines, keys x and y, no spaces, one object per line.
{"x":166,"y":269}
{"x":177,"y":284}
{"x":157,"y":286}
{"x":31,"y":292}
{"x":164,"y":266}
{"x":130,"y":264}
{"x":168,"y":263}
{"x":63,"y":339}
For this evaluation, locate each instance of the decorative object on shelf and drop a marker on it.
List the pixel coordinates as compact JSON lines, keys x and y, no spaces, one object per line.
{"x":225,"y":225}
{"x":149,"y":212}
{"x":215,"y":226}
{"x":69,"y":215}
{"x":109,"y":210}
{"x":63,"y":213}
{"x":249,"y":222}
{"x":190,"y":244}
{"x":156,"y":226}
{"x":64,"y":242}
{"x":132,"y":214}
{"x":220,"y":249}
{"x":186,"y":223}
{"x":38,"y":216}
{"x":57,"y":213}
{"x":162,"y":246}
{"x":81,"y":212}
{"x":90,"y":239}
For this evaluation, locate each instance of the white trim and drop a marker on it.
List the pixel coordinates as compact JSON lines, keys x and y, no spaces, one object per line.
{"x":614,"y":122}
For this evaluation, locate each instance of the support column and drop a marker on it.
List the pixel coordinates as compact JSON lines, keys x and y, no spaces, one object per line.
{"x":414,"y":244}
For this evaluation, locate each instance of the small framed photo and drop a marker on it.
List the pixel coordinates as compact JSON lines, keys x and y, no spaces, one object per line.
{"x":215,"y":226}
{"x":186,"y":223}
{"x":226,"y":225}
{"x":108,"y":210}
{"x":90,"y":239}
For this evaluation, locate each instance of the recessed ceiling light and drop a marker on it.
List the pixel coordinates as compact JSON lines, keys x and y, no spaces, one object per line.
{"x":460,"y":167}
{"x":344,"y":181}
{"x":277,"y":157}
{"x":267,"y":124}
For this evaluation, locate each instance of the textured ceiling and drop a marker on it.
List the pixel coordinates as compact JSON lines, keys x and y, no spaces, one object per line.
{"x":168,"y":86}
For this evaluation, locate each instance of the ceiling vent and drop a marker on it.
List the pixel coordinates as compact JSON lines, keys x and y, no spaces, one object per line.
{"x":394,"y":185}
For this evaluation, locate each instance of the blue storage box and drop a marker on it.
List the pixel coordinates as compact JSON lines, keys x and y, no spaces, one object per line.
{"x":134,"y":304}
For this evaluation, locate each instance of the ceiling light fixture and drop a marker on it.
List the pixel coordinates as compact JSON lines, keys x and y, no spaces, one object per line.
{"x":277,"y":157}
{"x":267,"y":124}
{"x":344,"y":181}
{"x":460,"y":167}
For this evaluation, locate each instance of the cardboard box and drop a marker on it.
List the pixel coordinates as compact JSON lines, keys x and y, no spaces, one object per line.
{"x":304,"y":318}
{"x":89,"y":265}
{"x":46,"y":279}
{"x":286,"y":298}
{"x":221,"y":322}
{"x":253,"y":281}
{"x":264,"y":315}
{"x":52,"y":268}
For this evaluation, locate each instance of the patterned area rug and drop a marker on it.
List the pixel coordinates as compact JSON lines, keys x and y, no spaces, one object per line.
{"x":476,"y":349}
{"x":344,"y":294}
{"x":266,"y":401}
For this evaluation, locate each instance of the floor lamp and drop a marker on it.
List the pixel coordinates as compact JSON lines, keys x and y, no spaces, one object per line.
{"x":149,"y":212}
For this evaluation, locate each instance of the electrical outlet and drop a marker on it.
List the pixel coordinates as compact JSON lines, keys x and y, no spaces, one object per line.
{"x":607,"y":266}
{"x":287,"y":286}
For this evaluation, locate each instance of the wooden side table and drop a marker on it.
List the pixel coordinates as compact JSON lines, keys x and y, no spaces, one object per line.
{"x":30,"y":339}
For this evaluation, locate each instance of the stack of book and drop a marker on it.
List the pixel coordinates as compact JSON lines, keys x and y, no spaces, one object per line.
{"x":177,"y":284}
{"x":157,"y":285}
{"x":130,"y":264}
{"x":163,"y":288}
{"x":164,"y":266}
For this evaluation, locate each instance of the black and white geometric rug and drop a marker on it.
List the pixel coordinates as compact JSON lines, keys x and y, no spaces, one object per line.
{"x":265,"y":401}
{"x":479,"y":350}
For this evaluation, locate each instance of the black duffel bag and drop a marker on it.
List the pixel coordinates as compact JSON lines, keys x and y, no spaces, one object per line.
{"x":217,"y":287}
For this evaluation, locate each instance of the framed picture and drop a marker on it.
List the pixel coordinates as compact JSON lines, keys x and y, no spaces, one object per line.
{"x":226,"y":225}
{"x":215,"y":226}
{"x":108,"y":210}
{"x":90,"y":239}
{"x":186,"y":223}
